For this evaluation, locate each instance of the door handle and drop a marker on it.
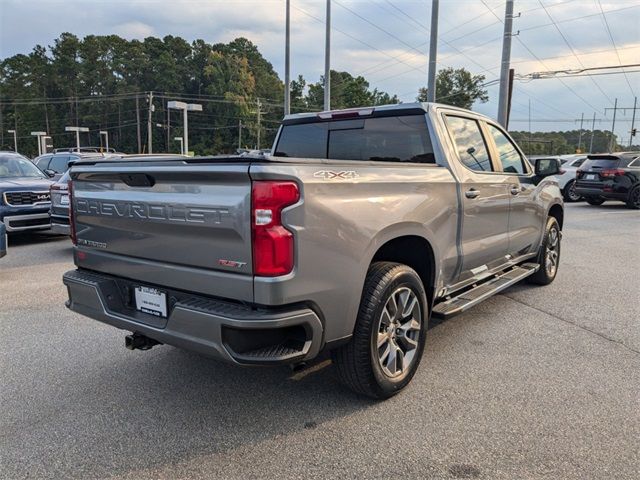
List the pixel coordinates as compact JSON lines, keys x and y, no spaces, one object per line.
{"x":515,"y":190}
{"x":472,"y":193}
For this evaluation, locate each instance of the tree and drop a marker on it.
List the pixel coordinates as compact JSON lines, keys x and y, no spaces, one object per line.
{"x":347,"y":91}
{"x":457,"y":87}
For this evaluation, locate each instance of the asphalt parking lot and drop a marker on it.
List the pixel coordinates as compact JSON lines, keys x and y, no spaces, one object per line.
{"x":539,"y":382}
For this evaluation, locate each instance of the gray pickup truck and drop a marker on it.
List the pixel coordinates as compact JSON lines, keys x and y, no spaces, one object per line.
{"x":358,"y":227}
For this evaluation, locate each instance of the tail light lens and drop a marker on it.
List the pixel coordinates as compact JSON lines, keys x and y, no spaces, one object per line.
{"x":273,"y":246}
{"x":72,"y":220}
{"x":616,"y":172}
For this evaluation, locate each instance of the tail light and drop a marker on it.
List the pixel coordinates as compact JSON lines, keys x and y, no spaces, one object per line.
{"x":72,"y":220}
{"x":579,"y":173}
{"x":273,"y":246}
{"x":615,"y":172}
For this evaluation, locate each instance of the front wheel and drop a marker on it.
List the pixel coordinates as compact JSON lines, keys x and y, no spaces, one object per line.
{"x":595,"y":201}
{"x":549,"y":254}
{"x":389,"y":336}
{"x":569,"y":192}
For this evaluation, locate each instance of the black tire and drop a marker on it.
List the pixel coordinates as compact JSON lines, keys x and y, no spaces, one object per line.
{"x":569,"y":194}
{"x":359,"y":363}
{"x":545,"y":275}
{"x":595,"y":201}
{"x":634,"y":199}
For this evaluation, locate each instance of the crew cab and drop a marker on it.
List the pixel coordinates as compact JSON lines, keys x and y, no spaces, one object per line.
{"x":24,"y":194}
{"x":356,"y":229}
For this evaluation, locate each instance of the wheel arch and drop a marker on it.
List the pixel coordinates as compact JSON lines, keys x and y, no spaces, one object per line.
{"x":556,"y":211}
{"x":415,"y":252}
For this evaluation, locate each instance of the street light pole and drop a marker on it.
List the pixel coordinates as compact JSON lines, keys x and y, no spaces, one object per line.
{"x":185,"y":107}
{"x":106,"y":139}
{"x":77,"y":130}
{"x":39,"y":136}
{"x":179,"y":139}
{"x":15,"y":139}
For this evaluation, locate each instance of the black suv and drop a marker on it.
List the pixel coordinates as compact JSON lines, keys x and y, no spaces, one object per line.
{"x":610,"y":176}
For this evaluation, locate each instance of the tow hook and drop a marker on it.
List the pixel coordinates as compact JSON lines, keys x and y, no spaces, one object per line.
{"x":139,"y":341}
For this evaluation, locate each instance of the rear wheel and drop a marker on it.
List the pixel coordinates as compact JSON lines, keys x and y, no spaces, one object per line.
{"x":634,"y":198}
{"x":549,"y":254}
{"x":595,"y":201}
{"x":389,"y":336}
{"x":569,"y":192}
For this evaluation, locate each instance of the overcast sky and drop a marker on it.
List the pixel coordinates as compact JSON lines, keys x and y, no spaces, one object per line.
{"x":387,"y":42}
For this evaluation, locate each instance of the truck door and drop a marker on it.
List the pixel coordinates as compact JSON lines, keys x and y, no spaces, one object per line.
{"x":525,"y":214}
{"x":485,"y":199}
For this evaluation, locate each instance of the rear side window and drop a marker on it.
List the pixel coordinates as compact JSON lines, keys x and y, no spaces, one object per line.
{"x":391,"y":139}
{"x":43,"y":163}
{"x":578,"y":162}
{"x":510,"y":158}
{"x":469,"y":143}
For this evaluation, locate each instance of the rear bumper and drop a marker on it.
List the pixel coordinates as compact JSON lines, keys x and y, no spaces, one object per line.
{"x":60,"y":225}
{"x":32,"y":221}
{"x":228,"y":331}
{"x":600,"y":193}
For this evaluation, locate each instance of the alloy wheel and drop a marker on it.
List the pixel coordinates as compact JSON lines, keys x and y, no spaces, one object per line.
{"x":552,"y":252}
{"x":398,"y":332}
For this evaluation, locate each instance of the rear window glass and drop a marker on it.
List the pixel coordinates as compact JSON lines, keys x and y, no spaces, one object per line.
{"x":598,"y":163}
{"x":394,"y":139}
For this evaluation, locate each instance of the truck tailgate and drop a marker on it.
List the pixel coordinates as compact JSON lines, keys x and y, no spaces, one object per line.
{"x":167,"y":223}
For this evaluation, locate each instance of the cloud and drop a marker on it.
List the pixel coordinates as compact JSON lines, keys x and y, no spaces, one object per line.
{"x":387,"y":42}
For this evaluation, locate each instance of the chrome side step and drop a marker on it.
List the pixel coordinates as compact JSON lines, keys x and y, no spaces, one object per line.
{"x":458,"y":304}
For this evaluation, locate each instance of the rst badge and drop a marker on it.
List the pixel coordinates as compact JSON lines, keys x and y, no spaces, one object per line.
{"x":231,"y":263}
{"x":340,"y":175}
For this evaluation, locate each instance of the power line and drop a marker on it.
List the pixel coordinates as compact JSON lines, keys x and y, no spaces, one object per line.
{"x":606,"y":24}
{"x":566,"y":41}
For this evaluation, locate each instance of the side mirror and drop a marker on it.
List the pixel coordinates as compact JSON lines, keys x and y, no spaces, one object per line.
{"x":545,"y":167}
{"x":3,"y":240}
{"x":50,"y":173}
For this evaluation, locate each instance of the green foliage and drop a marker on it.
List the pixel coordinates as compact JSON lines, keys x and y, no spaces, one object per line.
{"x":560,"y":143}
{"x":457,"y":87}
{"x":93,"y":82}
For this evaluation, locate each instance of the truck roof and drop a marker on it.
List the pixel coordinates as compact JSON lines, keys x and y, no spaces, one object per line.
{"x":371,"y":111}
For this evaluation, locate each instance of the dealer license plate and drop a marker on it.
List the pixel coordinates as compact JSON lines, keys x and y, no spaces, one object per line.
{"x":152,"y":301}
{"x":590,"y":177}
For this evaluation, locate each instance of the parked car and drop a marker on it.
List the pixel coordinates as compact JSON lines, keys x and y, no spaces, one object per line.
{"x":610,"y":176}
{"x":59,"y":212}
{"x":348,"y":238}
{"x":59,"y":196}
{"x":3,"y":240}
{"x":566,"y":178}
{"x":55,"y":164}
{"x":24,"y":194}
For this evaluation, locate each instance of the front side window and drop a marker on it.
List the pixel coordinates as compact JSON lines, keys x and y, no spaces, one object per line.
{"x":469,"y":143}
{"x":43,"y":162}
{"x":509,"y":156}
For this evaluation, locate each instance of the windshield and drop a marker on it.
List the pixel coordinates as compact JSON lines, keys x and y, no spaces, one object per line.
{"x":14,"y":166}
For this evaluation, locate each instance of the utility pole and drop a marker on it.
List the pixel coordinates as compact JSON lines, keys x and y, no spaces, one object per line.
{"x":506,"y":59}
{"x":433,"y":52}
{"x":240,"y":132}
{"x":287,"y":65}
{"x":149,"y":129}
{"x":633,"y":121}
{"x":580,"y":136}
{"x":259,"y":112}
{"x":327,"y":60}
{"x":138,"y":124}
{"x":613,"y":126}
{"x":510,"y":94}
{"x":593,"y":129}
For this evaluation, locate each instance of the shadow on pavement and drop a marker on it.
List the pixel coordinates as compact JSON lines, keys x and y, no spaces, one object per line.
{"x":30,"y":238}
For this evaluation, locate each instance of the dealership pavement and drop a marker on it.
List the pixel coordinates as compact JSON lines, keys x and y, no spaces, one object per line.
{"x":539,"y":382}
